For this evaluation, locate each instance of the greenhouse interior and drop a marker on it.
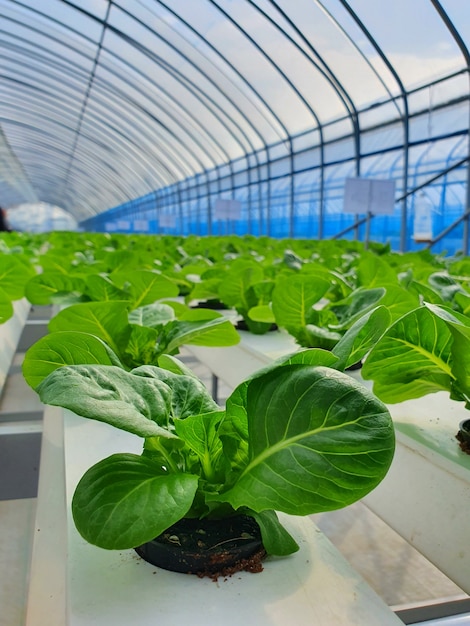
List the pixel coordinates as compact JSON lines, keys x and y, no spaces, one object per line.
{"x":235,"y":238}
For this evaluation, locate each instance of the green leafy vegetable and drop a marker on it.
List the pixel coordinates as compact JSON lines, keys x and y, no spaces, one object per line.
{"x":297,"y":437}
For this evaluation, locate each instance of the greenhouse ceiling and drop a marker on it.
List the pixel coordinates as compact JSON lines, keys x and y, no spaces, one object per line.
{"x":105,"y":101}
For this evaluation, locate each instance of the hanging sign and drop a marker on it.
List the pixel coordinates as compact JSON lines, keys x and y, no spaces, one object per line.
{"x":368,"y":195}
{"x":422,"y":220}
{"x":166,"y":221}
{"x":225,"y":209}
{"x":141,"y":226}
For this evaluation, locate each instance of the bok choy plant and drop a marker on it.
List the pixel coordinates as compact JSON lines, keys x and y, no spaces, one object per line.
{"x":298,"y":436}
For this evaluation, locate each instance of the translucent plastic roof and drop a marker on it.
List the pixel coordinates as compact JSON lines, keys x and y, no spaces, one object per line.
{"x":105,"y":101}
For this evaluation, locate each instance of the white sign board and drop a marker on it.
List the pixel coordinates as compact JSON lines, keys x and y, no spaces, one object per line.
{"x":368,"y":195}
{"x":167,"y":221}
{"x":225,"y":209}
{"x":422,"y":220}
{"x":141,"y":226}
{"x":110,"y":227}
{"x":123,"y":225}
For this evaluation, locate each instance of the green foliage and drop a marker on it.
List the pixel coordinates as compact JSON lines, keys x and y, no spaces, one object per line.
{"x":296,"y":437}
{"x":108,"y":333}
{"x":423,"y":352}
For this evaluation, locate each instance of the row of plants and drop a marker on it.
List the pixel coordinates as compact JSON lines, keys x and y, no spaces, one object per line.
{"x":300,"y":436}
{"x":315,"y":291}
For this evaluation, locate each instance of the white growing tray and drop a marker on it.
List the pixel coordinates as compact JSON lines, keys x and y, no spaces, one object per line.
{"x":10,"y":333}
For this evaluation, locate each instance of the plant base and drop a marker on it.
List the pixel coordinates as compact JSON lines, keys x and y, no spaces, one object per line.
{"x":463,"y":436}
{"x":207,"y":547}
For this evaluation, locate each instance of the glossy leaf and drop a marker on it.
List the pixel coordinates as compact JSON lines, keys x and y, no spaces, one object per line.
{"x":50,"y":288}
{"x":200,"y":328}
{"x":355,"y":306}
{"x":101,"y":289}
{"x":145,"y":286}
{"x":15,"y":272}
{"x":64,"y":348}
{"x":276,"y":539}
{"x":6,"y":307}
{"x":412,"y":358}
{"x":361,"y":337}
{"x":126,"y":500}
{"x":317,"y":441}
{"x":106,"y":320}
{"x":293,"y":297}
{"x":152,"y":315}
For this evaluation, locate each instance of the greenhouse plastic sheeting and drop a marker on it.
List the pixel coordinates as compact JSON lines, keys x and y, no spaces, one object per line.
{"x":142,"y":116}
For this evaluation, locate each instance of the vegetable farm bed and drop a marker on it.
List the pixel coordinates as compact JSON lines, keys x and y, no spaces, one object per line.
{"x":75,"y":583}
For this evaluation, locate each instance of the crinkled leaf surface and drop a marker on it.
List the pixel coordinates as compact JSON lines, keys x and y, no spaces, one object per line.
{"x":141,"y":348}
{"x":64,"y":348}
{"x":126,"y":500}
{"x":137,"y":404}
{"x":318,"y":441}
{"x":412,"y":359}
{"x":189,"y":396}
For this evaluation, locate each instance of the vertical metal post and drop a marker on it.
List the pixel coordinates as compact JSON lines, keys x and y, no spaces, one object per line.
{"x":215,"y":388}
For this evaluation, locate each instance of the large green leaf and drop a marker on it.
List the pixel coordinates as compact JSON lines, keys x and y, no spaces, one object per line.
{"x":361,"y":337}
{"x":152,"y":315}
{"x":234,"y":429}
{"x":355,"y":306}
{"x":200,"y":327}
{"x":106,"y":393}
{"x":145,"y":286}
{"x":6,"y":307}
{"x":15,"y":272}
{"x":459,"y":326}
{"x":64,"y":348}
{"x":373,"y":271}
{"x":126,"y":500}
{"x":50,"y":288}
{"x":241,"y":275}
{"x":412,"y":358}
{"x":399,"y":300}
{"x":106,"y":320}
{"x":318,"y":441}
{"x":100,"y":288}
{"x":294,"y":296}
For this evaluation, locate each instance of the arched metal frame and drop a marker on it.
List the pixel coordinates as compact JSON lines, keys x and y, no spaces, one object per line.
{"x":113,"y":108}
